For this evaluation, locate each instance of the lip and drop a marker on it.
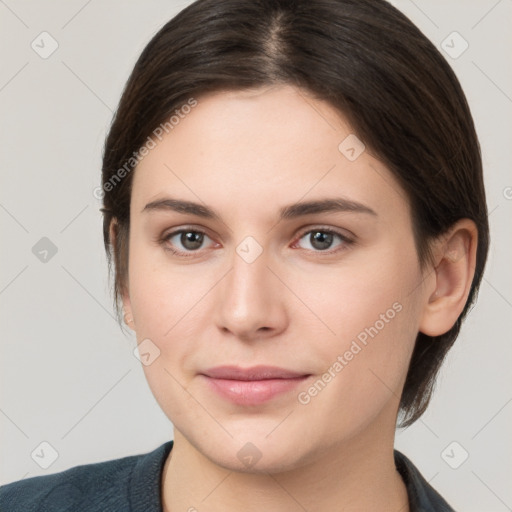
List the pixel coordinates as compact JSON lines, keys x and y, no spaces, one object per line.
{"x":252,"y":386}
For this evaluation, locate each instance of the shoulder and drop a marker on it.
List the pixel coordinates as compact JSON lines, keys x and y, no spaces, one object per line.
{"x":99,"y":483}
{"x":100,"y":486}
{"x":422,"y":496}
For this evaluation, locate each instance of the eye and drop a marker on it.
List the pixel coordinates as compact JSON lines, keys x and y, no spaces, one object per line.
{"x":319,"y":240}
{"x":185,"y":241}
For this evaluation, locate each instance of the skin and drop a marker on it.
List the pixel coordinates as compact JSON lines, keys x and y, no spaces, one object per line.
{"x":245,"y":155}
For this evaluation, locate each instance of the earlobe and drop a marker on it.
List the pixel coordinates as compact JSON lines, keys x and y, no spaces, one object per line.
{"x":455,"y":257}
{"x":127,"y":310}
{"x":128,"y":319}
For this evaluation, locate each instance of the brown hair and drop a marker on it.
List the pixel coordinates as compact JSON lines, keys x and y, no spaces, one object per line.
{"x":367,"y":60}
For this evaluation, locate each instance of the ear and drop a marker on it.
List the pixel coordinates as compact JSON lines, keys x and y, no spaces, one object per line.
{"x":454,"y":268}
{"x":125,"y":296}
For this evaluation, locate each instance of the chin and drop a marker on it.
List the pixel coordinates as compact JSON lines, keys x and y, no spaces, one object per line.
{"x":251,"y":449}
{"x":252,"y":460}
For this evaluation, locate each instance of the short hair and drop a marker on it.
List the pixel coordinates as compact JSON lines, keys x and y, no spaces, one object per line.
{"x":368,"y":61}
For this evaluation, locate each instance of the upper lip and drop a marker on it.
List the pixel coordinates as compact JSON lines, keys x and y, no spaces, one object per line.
{"x":252,"y":373}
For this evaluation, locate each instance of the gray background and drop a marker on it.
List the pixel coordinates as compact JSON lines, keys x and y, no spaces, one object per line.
{"x":68,"y":374}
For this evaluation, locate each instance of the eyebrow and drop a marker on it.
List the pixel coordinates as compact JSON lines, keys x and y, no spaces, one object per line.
{"x":287,"y":212}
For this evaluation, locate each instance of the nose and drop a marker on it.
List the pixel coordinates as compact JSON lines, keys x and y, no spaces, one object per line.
{"x":251,"y":301}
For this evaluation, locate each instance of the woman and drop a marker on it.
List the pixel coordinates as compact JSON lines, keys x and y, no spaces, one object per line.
{"x":295,"y":210}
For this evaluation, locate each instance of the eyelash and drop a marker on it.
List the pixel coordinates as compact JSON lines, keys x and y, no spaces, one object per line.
{"x":346,"y":241}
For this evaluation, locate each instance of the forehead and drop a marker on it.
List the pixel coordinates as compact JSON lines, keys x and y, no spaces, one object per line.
{"x":262,"y":147}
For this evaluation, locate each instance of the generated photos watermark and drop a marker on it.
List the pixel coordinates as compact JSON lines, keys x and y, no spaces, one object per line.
{"x":356,"y":346}
{"x":144,"y":150}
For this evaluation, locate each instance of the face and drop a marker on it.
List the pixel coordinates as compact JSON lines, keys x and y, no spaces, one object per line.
{"x":274,"y":278}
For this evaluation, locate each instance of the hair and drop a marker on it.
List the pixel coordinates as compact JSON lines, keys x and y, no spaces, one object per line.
{"x":368,"y":61}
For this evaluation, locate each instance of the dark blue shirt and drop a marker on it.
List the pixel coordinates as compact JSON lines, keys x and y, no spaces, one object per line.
{"x":133,"y":484}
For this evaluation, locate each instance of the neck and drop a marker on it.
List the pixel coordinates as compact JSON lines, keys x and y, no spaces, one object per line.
{"x":359,"y":475}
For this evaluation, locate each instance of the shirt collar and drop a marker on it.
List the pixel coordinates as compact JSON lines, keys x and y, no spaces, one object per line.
{"x":422,"y":496}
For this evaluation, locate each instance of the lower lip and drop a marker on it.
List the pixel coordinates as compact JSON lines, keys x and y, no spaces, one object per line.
{"x":253,"y":392}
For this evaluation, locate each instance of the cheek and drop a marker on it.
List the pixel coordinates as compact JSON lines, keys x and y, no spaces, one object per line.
{"x":167,"y":306}
{"x":162,"y":295}
{"x":372,"y":298}
{"x":171,"y":307}
{"x":364,"y":371}
{"x":373,"y":311}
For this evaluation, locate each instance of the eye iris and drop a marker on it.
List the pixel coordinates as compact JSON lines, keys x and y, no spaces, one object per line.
{"x":191,"y":240}
{"x":321,"y":240}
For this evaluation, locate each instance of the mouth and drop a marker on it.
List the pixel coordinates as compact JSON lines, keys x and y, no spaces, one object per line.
{"x":252,"y":386}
